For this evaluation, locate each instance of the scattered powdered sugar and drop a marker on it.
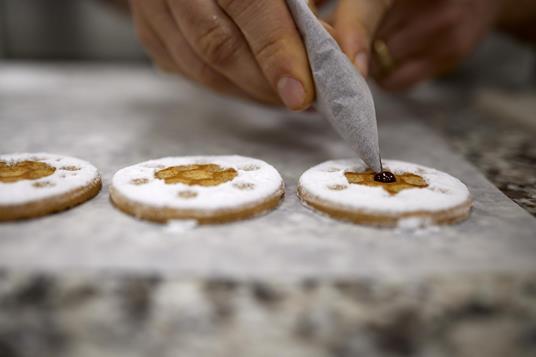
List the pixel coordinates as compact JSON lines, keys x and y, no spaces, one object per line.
{"x":71,"y":174}
{"x":412,"y":223}
{"x":443,"y":191}
{"x":180,"y":226}
{"x":417,"y":226}
{"x":255,"y":181}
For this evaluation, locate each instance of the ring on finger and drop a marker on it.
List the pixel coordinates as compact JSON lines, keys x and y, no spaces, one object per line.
{"x":384,"y":56}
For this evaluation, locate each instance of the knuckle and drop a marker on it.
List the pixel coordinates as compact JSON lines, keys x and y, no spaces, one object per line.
{"x":227,"y":3}
{"x":236,"y":6}
{"x":218,"y":45}
{"x":271,"y":51}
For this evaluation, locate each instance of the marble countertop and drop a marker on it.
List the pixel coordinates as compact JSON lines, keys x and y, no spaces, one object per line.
{"x":493,"y":129}
{"x":93,"y":281}
{"x":487,"y":111}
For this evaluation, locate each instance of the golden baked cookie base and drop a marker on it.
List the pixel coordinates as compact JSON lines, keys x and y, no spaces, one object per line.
{"x":51,"y":204}
{"x":24,"y":170}
{"x":205,"y":175}
{"x":403,"y":181}
{"x":164,"y":214}
{"x":450,"y":216}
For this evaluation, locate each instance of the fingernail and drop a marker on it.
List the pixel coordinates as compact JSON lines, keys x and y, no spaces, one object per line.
{"x":361,"y":62}
{"x":291,"y":92}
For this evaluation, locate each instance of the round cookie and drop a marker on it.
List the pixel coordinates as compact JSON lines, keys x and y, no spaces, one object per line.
{"x":209,"y":189}
{"x":346,"y":190}
{"x":33,"y":185}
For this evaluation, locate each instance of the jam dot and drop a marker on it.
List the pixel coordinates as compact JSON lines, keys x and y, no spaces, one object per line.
{"x":385,"y":177}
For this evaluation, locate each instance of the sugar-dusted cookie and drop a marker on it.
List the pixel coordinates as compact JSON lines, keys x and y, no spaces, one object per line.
{"x":33,"y":185}
{"x":209,"y":189}
{"x":345,"y":190}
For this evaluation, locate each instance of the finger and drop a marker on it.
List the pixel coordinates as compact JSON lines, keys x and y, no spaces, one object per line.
{"x":440,"y":57}
{"x":318,"y":2}
{"x":153,"y":44}
{"x":312,"y":6}
{"x":401,"y":14}
{"x":427,"y":36}
{"x":408,"y":75}
{"x":325,"y":23}
{"x":158,"y":14}
{"x":221,"y":45}
{"x":355,"y":22}
{"x":331,"y":30}
{"x":419,"y":36}
{"x":277,"y":46}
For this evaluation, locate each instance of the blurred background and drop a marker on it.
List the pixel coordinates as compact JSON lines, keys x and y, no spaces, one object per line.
{"x":98,"y":30}
{"x":66,"y":29}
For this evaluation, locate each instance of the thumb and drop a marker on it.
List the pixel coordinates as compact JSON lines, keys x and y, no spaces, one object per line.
{"x":276,"y":44}
{"x":355,"y":22}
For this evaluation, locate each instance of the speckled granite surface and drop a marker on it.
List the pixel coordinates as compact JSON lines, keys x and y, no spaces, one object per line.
{"x":487,"y":110}
{"x":508,"y":160}
{"x":501,"y":147}
{"x":306,"y":286}
{"x":43,"y":315}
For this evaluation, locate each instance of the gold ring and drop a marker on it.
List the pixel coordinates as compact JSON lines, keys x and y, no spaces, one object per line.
{"x":384,"y":56}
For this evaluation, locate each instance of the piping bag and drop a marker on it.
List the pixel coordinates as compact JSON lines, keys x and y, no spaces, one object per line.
{"x":343,"y":96}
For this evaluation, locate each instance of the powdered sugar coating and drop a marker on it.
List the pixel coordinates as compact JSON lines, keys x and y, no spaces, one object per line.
{"x":260,"y":179}
{"x":71,"y":174}
{"x":443,"y":191}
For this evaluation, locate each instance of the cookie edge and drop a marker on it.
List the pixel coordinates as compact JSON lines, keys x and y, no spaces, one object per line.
{"x":53,"y":204}
{"x":448,"y":216}
{"x":165,"y":214}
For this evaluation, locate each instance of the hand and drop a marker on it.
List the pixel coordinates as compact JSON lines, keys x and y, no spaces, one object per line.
{"x":246,"y":48}
{"x":355,"y":23}
{"x":427,"y":38}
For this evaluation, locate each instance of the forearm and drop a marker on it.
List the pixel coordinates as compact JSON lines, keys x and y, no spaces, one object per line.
{"x":518,"y":17}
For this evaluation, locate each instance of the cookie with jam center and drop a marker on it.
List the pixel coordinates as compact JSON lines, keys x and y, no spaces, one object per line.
{"x":347,"y":190}
{"x":36,"y":184}
{"x":208,"y":189}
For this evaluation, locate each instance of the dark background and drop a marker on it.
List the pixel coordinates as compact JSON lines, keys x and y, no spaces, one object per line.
{"x":96,"y":30}
{"x":66,"y":29}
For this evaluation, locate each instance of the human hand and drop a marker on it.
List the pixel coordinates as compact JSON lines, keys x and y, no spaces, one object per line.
{"x":246,"y":48}
{"x":355,"y":23}
{"x":427,"y":38}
